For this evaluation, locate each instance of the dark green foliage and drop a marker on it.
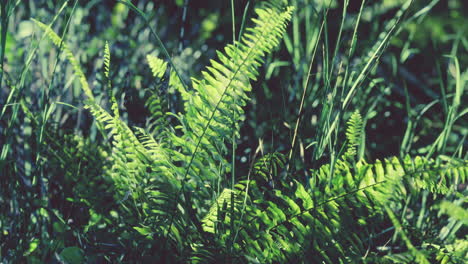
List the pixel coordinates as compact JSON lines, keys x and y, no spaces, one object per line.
{"x":121,"y":158}
{"x":291,"y":224}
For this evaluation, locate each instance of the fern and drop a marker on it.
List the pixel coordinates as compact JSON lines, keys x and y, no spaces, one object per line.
{"x":353,"y":134}
{"x":455,"y":210}
{"x":156,"y":103}
{"x":151,"y":177}
{"x":222,"y":204}
{"x":213,"y":109}
{"x":107,"y":63}
{"x":158,"y":66}
{"x":293,"y":223}
{"x":282,"y":224}
{"x":69,"y":55}
{"x":268,"y":166}
{"x":271,"y":217}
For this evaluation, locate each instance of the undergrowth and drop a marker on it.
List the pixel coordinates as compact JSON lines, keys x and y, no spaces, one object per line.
{"x":171,"y":189}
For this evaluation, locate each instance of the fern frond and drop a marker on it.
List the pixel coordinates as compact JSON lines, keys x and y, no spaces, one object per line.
{"x":123,"y":136}
{"x":267,"y":166}
{"x":280,"y":224}
{"x":354,"y":133}
{"x":156,"y":103}
{"x":128,"y":152}
{"x":57,"y":40}
{"x":157,"y":122}
{"x":456,"y":252}
{"x":176,"y":83}
{"x":214,"y":109}
{"x":222,"y":204}
{"x":158,"y":181}
{"x":455,"y":210}
{"x":157,"y":66}
{"x":107,"y":62}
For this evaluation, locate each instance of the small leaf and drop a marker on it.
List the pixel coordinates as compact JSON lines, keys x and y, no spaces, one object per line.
{"x":32,"y":246}
{"x":143,"y":230}
{"x":72,"y":255}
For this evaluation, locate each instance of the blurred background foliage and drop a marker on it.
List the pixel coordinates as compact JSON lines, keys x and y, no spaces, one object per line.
{"x":50,"y":159}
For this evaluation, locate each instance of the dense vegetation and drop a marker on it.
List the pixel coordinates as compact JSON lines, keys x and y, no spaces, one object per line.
{"x":301,"y":131}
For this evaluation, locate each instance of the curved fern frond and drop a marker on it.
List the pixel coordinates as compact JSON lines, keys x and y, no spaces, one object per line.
{"x":215,"y":107}
{"x":455,"y":210}
{"x":57,"y":40}
{"x":107,"y":61}
{"x":130,"y":157}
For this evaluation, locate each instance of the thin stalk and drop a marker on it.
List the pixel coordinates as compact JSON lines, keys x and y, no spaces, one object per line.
{"x":304,"y":93}
{"x":156,"y":36}
{"x":3,"y":35}
{"x":233,"y":17}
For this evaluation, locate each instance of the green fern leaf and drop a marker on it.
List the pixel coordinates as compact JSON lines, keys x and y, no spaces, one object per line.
{"x":354,"y":134}
{"x":158,"y":66}
{"x":71,"y":58}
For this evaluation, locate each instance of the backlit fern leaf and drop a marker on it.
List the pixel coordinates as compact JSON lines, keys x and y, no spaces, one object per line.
{"x":214,"y":109}
{"x":128,"y":153}
{"x":107,"y":62}
{"x":158,"y":66}
{"x":353,"y":134}
{"x":71,"y":58}
{"x":222,"y":204}
{"x":153,"y":177}
{"x":455,"y":210}
{"x":156,"y":102}
{"x":325,"y":220}
{"x":268,"y":166}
